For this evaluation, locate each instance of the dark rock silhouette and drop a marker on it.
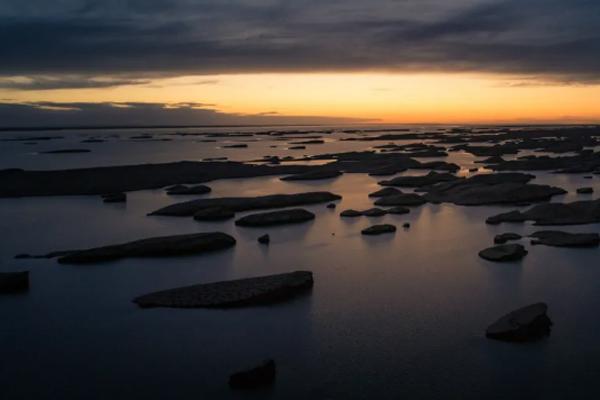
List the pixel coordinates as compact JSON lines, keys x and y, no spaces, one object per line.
{"x":213,"y":214}
{"x":163,"y":246}
{"x":66,"y":151}
{"x":507,"y":188}
{"x":388,"y":191}
{"x":504,"y":252}
{"x":378,"y":229}
{"x":565,"y":239}
{"x":236,"y":204}
{"x":398,"y":210}
{"x":374,"y":212}
{"x":114,"y":198}
{"x":511,"y":216}
{"x":404,"y":199}
{"x":585,"y":190}
{"x":575,"y":213}
{"x":313,"y":175}
{"x":261,"y":375}
{"x":281,"y":217}
{"x":351,"y":213}
{"x":422,"y":180}
{"x":264,"y":239}
{"x":524,"y":324}
{"x":505,"y":237}
{"x":183,"y":189}
{"x":95,"y":181}
{"x":13,"y":282}
{"x":262,"y":290}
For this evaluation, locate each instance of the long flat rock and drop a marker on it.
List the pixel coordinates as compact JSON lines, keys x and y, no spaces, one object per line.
{"x":95,"y":181}
{"x":189,"y":208}
{"x":163,"y":246}
{"x":268,"y":289}
{"x":280,"y":217}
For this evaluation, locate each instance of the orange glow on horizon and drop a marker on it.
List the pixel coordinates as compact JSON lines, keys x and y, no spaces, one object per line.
{"x":382,"y":97}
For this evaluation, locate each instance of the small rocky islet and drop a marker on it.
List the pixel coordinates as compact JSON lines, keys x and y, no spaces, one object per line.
{"x":525,"y":324}
{"x":281,"y":217}
{"x":503,"y":252}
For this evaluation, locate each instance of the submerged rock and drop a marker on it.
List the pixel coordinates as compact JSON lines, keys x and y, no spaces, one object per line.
{"x":406,"y":225}
{"x":313,"y":175}
{"x":12,"y":282}
{"x":504,"y":252}
{"x":331,"y":205}
{"x":114,"y":198}
{"x":236,"y":204}
{"x":268,"y":289}
{"x":379,"y":229}
{"x":404,"y":199}
{"x":164,"y":246}
{"x":565,"y":239}
{"x":183,"y":189}
{"x":264,"y":239}
{"x":261,"y":375}
{"x":505,"y":237}
{"x":281,"y":217}
{"x":525,"y":324}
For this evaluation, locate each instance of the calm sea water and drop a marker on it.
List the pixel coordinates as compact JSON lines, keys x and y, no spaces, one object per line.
{"x":390,"y":317}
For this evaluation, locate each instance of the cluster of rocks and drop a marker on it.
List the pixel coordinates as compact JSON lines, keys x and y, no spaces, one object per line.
{"x":579,"y":212}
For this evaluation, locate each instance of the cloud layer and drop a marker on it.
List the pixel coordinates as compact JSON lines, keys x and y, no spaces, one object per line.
{"x":52,"y":114}
{"x":558,"y":39}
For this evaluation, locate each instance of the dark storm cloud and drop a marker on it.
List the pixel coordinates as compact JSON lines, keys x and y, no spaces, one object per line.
{"x":52,"y":114}
{"x":559,"y":39}
{"x":66,"y":82}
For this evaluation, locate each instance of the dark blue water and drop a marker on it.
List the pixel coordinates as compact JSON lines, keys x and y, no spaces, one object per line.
{"x":399,"y":316}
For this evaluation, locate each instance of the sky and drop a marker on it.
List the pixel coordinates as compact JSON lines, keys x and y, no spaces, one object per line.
{"x":184,"y":62}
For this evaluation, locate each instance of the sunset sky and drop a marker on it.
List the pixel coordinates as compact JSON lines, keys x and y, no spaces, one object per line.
{"x":262,"y":61}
